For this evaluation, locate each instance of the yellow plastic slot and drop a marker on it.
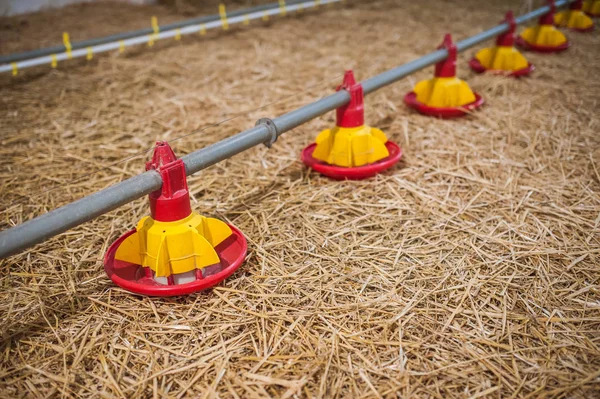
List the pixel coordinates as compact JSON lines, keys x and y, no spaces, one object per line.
{"x":282,"y":7}
{"x":67,"y":43}
{"x":223,"y":14}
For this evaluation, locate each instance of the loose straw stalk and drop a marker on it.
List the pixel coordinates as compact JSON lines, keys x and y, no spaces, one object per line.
{"x":470,"y":270}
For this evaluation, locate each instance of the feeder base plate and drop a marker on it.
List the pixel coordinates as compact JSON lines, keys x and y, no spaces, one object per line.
{"x":442,"y":112}
{"x":583,"y":30}
{"x":541,"y":49}
{"x":354,"y":173}
{"x":476,"y":66}
{"x":133,"y":277}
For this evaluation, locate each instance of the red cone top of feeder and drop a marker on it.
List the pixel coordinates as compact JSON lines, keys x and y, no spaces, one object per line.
{"x":548,"y":18}
{"x":508,"y":38}
{"x":576,"y":5}
{"x":172,"y":201}
{"x":353,"y":113}
{"x":447,"y":67}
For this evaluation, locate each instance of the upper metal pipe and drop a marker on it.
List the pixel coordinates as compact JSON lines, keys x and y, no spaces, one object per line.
{"x":61,"y":219}
{"x":141,"y":32}
{"x":168,"y":31}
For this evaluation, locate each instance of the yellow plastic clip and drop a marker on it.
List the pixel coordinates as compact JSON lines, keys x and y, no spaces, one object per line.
{"x":178,"y":34}
{"x":90,"y":54}
{"x":15,"y":68}
{"x":282,"y":7}
{"x":246,"y":20}
{"x":223,"y":15}
{"x":265,"y":16}
{"x":202,"y":29}
{"x":121,"y":46}
{"x":155,"y":29}
{"x":67,"y":44}
{"x":54,"y":62}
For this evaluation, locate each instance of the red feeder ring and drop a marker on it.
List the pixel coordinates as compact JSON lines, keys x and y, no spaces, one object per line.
{"x":355,"y":173}
{"x":542,"y":49}
{"x":133,"y":277}
{"x":442,"y":112}
{"x":583,"y":30}
{"x":476,"y":66}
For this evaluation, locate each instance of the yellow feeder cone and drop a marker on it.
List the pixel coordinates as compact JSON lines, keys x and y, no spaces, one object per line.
{"x":175,"y":248}
{"x":442,"y":92}
{"x":504,"y":57}
{"x":176,"y":244}
{"x":592,"y":7}
{"x":444,"y":96}
{"x":544,"y":37}
{"x":574,"y":18}
{"x":350,"y":147}
{"x":351,"y":143}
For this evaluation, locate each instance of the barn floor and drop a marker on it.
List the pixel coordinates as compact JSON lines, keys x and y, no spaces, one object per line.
{"x":469,"y":270}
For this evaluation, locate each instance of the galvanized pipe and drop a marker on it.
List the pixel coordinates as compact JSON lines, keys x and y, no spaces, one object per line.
{"x":141,"y":32}
{"x":60,"y":220}
{"x":101,"y":45}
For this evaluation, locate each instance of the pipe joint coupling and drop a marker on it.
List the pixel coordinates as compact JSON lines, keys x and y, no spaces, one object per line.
{"x":270,"y":125}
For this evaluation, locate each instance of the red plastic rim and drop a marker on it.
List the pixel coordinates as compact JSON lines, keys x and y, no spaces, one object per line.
{"x":132,"y":277}
{"x":442,"y":112}
{"x":541,"y":49}
{"x":476,"y":66}
{"x":356,"y":173}
{"x":583,"y":30}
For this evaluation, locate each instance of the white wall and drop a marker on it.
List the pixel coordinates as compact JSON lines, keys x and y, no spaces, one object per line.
{"x":14,"y":7}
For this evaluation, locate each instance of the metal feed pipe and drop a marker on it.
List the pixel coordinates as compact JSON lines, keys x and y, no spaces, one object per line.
{"x":147,"y":31}
{"x":266,"y":131}
{"x":51,"y":55}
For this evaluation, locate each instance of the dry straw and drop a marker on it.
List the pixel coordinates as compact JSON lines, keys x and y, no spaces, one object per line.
{"x":470,"y":270}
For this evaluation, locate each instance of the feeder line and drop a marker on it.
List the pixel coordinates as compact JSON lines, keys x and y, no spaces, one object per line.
{"x":52,"y":55}
{"x":266,"y":132}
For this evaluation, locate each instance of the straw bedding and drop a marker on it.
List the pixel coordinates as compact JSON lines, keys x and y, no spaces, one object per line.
{"x":469,"y":270}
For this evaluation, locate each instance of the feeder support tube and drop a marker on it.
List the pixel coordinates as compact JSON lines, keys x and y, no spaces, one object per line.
{"x":577,"y":5}
{"x":447,"y":67}
{"x":353,"y":113}
{"x":507,"y":39}
{"x":548,"y":18}
{"x":172,"y":201}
